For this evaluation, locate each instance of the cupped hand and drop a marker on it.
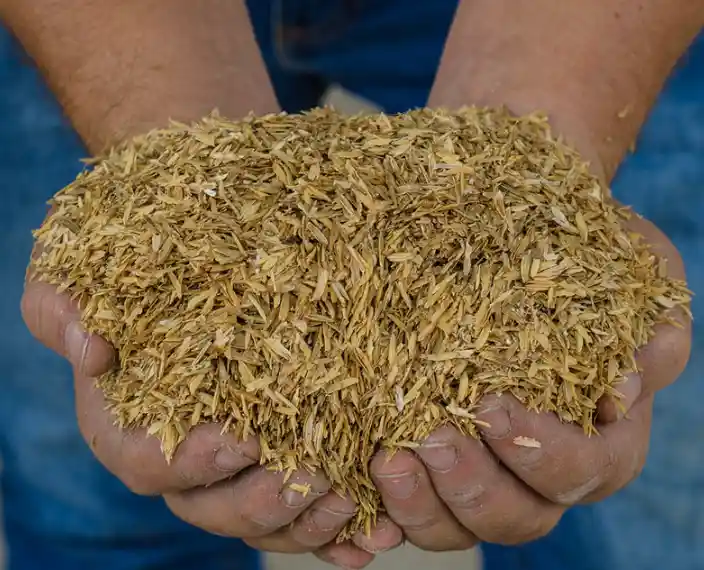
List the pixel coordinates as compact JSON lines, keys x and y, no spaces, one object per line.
{"x":214,"y":481}
{"x":455,"y":492}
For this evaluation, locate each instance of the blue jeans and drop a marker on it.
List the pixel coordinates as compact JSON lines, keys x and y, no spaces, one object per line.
{"x":63,"y":510}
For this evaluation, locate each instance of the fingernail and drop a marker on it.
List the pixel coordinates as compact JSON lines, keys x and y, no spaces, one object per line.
{"x":230,"y":460}
{"x":385,"y":536}
{"x":497,"y":418}
{"x":375,"y":549}
{"x":296,"y":499}
{"x":440,"y":457}
{"x":399,"y":485}
{"x":76,"y":341}
{"x":327,"y":520}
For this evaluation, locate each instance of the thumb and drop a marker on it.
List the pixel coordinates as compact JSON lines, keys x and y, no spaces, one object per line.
{"x":54,"y":320}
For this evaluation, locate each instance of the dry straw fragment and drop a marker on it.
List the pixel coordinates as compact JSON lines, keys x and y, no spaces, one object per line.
{"x":333,"y":285}
{"x":523,"y":441}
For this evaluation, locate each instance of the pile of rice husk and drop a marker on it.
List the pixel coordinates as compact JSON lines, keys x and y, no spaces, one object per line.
{"x":335,"y":285}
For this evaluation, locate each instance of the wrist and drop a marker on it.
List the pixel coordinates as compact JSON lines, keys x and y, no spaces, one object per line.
{"x":153,"y":99}
{"x":567,"y":120}
{"x":120,"y":69}
{"x":590,"y":66}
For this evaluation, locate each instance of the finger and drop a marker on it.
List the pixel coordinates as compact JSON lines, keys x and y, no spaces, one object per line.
{"x":323,"y":522}
{"x":411,"y":502}
{"x":658,"y":243}
{"x":482,"y":495}
{"x":318,"y":525}
{"x":611,"y":409}
{"x":386,"y":535}
{"x":256,"y":503}
{"x":54,"y":320}
{"x":345,"y":555}
{"x":660,"y":363}
{"x":556,"y":459}
{"x":629,"y":443}
{"x":205,"y":457}
{"x":664,"y":358}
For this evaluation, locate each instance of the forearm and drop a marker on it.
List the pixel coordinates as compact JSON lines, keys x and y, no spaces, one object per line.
{"x":120,"y":68}
{"x":595,"y":66}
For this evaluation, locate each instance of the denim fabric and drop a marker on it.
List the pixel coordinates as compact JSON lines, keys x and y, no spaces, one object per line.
{"x":658,"y":521}
{"x":63,"y":509}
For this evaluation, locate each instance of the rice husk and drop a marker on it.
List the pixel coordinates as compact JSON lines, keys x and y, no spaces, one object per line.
{"x":337,"y":285}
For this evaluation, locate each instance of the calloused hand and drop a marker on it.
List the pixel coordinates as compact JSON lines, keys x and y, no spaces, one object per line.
{"x":214,"y":481}
{"x":456,"y":491}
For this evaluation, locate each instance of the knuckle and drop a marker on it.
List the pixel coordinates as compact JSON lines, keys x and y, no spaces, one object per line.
{"x":638,"y":464}
{"x":630,"y":472}
{"x":191,"y":470}
{"x":612,"y":465}
{"x":568,"y":487}
{"x":254,"y":543}
{"x":187,"y":479}
{"x":135,"y":469}
{"x":620,"y":473}
{"x":533,"y":528}
{"x":469,"y":498}
{"x":255,"y":522}
{"x":574,"y":494}
{"x":531,"y":459}
{"x":191,"y":508}
{"x":121,"y":464}
{"x":415,"y":523}
{"x":515,"y":529}
{"x":182,"y":508}
{"x":312,"y":537}
{"x":122,"y":457}
{"x":256,"y":526}
{"x":447,"y":543}
{"x":277,"y":544}
{"x":175,"y":504}
{"x":137,"y":483}
{"x":320,"y":522}
{"x":464,"y":542}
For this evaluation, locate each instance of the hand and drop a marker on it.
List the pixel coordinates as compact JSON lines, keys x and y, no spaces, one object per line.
{"x":457,"y":491}
{"x":214,"y":481}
